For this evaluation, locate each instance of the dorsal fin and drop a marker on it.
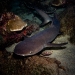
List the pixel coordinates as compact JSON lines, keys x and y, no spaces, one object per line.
{"x":45,"y":16}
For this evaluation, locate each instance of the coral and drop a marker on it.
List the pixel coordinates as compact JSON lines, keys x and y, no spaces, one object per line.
{"x":13,"y":29}
{"x":58,"y":2}
{"x":16,"y":24}
{"x":11,"y":22}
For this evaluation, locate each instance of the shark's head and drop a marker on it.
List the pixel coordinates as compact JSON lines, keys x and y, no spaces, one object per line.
{"x":27,"y":48}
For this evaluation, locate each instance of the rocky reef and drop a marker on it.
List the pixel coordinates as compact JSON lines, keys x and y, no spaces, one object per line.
{"x":13,"y":29}
{"x":12,"y":65}
{"x":67,"y":20}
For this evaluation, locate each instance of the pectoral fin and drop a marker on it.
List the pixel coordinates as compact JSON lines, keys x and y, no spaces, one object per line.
{"x":55,"y":45}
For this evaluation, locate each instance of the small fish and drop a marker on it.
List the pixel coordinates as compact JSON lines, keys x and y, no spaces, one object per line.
{"x":34,"y":44}
{"x":46,"y":53}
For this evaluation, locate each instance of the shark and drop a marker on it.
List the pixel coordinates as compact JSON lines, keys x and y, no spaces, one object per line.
{"x":36,"y":43}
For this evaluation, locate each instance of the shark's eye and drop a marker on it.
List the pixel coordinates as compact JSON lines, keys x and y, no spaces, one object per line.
{"x":31,"y":52}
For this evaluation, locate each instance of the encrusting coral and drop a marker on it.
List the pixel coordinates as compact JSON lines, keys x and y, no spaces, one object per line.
{"x":13,"y":29}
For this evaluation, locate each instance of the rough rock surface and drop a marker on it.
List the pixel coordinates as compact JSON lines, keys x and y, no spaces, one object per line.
{"x":34,"y":65}
{"x":67,"y":21}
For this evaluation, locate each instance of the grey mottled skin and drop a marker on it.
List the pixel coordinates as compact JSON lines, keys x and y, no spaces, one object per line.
{"x":37,"y":42}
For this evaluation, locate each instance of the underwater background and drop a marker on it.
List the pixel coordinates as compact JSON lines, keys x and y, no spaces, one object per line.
{"x":52,"y":61}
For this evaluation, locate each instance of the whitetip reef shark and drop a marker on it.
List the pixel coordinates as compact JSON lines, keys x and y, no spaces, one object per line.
{"x":36,"y":43}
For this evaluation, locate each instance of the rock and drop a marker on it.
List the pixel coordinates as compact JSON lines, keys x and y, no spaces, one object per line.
{"x":34,"y":65}
{"x":67,"y":21}
{"x":42,"y":66}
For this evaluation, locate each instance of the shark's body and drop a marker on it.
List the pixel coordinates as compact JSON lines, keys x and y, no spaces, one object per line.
{"x":37,"y":42}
